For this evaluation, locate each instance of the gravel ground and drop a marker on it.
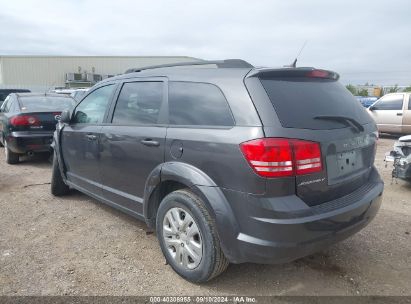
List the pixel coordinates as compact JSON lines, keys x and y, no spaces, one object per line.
{"x":78,"y":246}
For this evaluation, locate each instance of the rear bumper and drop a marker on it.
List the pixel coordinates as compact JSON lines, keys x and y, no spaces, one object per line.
{"x":24,"y":142}
{"x":271,"y":231}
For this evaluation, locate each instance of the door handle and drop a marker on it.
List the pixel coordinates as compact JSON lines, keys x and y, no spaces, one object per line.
{"x":91,"y":137}
{"x":150,"y":143}
{"x":399,"y":114}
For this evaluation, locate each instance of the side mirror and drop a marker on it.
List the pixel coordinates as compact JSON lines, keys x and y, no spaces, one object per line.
{"x":65,"y":116}
{"x":372,"y":108}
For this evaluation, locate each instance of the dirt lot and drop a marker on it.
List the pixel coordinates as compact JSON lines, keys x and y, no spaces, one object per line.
{"x":78,"y":246}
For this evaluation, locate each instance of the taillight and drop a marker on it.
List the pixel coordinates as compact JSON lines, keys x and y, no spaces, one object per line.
{"x":269,"y":156}
{"x":278,"y":157}
{"x":307,"y":156}
{"x":24,"y":120}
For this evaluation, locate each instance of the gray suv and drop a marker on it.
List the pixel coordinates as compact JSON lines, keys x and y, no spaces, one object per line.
{"x":227,"y":162}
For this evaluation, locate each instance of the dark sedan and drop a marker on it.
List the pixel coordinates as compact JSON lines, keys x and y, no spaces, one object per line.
{"x":27,"y":122}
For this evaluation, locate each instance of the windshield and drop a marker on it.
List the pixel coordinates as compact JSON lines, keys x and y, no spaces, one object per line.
{"x":45,"y":103}
{"x":299,"y":101}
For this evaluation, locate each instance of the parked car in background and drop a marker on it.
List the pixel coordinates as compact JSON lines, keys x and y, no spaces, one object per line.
{"x":78,"y":94}
{"x":62,"y":91}
{"x":392,"y":113}
{"x":230,"y":164}
{"x":5,"y":92}
{"x":27,"y":122}
{"x":366,"y":101}
{"x":400,"y":156}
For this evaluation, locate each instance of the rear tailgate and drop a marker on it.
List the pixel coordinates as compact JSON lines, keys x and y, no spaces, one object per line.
{"x":316,"y":107}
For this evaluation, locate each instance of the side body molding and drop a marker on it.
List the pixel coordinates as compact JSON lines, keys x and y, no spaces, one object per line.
{"x":203,"y":186}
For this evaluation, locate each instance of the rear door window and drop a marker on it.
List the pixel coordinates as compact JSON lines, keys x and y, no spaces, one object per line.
{"x":298,"y":101}
{"x":139,"y":103}
{"x":391,"y":102}
{"x":198,"y":104}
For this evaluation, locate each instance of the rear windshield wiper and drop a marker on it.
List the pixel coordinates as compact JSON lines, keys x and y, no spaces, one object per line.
{"x":346,"y":120}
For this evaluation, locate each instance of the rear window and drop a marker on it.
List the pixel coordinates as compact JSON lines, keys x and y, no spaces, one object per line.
{"x":45,"y":103}
{"x":192,"y":103}
{"x":298,"y":101}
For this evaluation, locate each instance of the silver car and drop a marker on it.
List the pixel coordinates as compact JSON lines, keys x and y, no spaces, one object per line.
{"x":392,"y":113}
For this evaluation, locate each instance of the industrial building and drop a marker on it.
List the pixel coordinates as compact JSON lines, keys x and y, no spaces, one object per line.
{"x":42,"y":73}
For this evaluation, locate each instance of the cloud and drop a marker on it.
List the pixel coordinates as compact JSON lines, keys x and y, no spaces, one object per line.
{"x":365,"y":41}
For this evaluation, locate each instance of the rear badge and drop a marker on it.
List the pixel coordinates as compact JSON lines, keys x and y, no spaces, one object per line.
{"x":319,"y":180}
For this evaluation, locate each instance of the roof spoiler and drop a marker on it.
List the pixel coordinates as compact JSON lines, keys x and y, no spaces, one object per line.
{"x":227,"y":63}
{"x":307,"y":72}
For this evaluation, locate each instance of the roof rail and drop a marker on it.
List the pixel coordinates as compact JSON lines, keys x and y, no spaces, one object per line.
{"x":227,"y":63}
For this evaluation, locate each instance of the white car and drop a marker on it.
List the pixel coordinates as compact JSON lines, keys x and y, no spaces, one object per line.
{"x":392,"y":113}
{"x":78,"y":94}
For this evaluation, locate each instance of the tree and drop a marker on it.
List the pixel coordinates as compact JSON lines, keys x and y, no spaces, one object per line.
{"x":363,"y":92}
{"x":352,"y":89}
{"x":407,"y":89}
{"x":394,"y":89}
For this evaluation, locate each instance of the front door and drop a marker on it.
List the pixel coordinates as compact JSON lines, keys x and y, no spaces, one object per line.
{"x":133,"y":144}
{"x":81,"y":138}
{"x":388,"y":113}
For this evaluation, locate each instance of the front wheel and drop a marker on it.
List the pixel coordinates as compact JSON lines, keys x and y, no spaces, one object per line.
{"x":188,"y":237}
{"x":11,"y":157}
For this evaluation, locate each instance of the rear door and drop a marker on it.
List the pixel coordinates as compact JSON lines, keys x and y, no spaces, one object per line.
{"x":388,"y":113}
{"x":80,"y":139}
{"x":300,"y":104}
{"x":132,"y":144}
{"x":406,"y":121}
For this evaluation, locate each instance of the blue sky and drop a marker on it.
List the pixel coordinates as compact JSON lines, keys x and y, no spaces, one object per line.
{"x":365,"y":41}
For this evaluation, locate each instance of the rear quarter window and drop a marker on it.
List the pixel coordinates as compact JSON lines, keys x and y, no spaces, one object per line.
{"x":198,"y":104}
{"x":298,"y":101}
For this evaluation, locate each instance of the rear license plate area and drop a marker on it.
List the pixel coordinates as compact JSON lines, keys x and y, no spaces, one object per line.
{"x":347,"y":161}
{"x":342,"y":165}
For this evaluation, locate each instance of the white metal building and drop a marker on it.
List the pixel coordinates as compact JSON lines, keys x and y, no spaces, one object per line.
{"x":41,"y":73}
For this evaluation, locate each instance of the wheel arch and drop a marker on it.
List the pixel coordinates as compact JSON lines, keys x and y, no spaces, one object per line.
{"x":172,"y":176}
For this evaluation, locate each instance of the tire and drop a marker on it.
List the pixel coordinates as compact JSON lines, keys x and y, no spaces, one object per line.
{"x":58,"y":187}
{"x":190,"y":210}
{"x":11,"y":157}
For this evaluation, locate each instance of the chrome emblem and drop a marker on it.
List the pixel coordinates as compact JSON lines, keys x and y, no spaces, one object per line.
{"x":57,"y":117}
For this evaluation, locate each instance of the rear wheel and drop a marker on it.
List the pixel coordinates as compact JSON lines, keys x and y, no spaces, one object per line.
{"x":188,"y":237}
{"x":58,"y":187}
{"x":11,"y":157}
